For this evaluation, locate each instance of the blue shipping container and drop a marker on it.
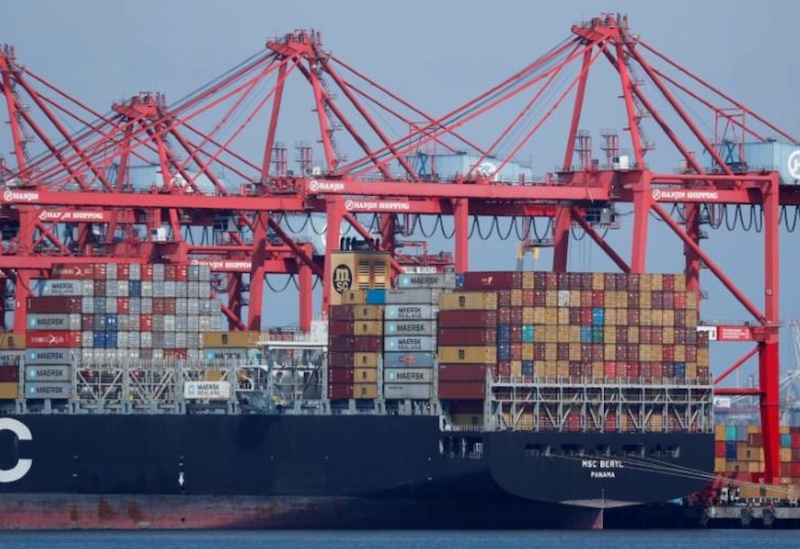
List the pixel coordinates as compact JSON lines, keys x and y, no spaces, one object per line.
{"x":503,"y":334}
{"x":376,"y":297}
{"x":528,"y":333}
{"x":135,"y":288}
{"x":730,"y":450}
{"x":597,"y":334}
{"x":527,"y":368}
{"x":111,"y":322}
{"x":598,"y":316}
{"x":786,"y":440}
{"x":730,"y":432}
{"x":586,"y":334}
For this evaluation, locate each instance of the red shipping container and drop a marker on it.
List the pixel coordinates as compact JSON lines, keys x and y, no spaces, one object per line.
{"x":342,"y":312}
{"x":181,"y":272}
{"x":100,"y":287}
{"x":158,"y":305}
{"x":622,"y":334}
{"x":574,"y":316}
{"x":562,"y":351}
{"x":539,"y":280}
{"x":146,"y":323}
{"x":462,"y":373}
{"x":467,"y":319}
{"x":465,"y":390}
{"x":503,"y":368}
{"x":516,"y":351}
{"x":54,"y":305}
{"x":123,"y":271}
{"x":586,"y":316}
{"x":573,"y":423}
{"x":539,"y":351}
{"x":175,"y":353}
{"x":562,"y":281}
{"x":516,"y":315}
{"x":610,"y":370}
{"x":645,"y":335}
{"x":795,"y":439}
{"x":341,"y":375}
{"x":74,"y":272}
{"x":147,"y":271}
{"x":610,"y":423}
{"x":467,"y":336}
{"x":340,"y":391}
{"x":756,"y":440}
{"x":87,"y":323}
{"x":170,"y":306}
{"x":123,"y":305}
{"x":657,"y":300}
{"x":100,"y":271}
{"x":492,"y":280}
{"x":539,"y":298}
{"x":575,"y":369}
{"x":634,"y":369}
{"x":340,"y":328}
{"x":633,"y":317}
{"x":668,"y":370}
{"x":504,"y":315}
{"x":340,"y":360}
{"x":169,"y":271}
{"x":341,"y":344}
{"x":668,"y":353}
{"x":516,"y":331}
{"x":9,"y":374}
{"x":53,"y":339}
{"x":598,"y":353}
{"x":367,"y":344}
{"x":550,"y":281}
{"x":668,"y":282}
{"x":679,"y":301}
{"x":796,"y":469}
{"x":586,"y":298}
{"x":527,"y":298}
{"x":633,"y":299}
{"x":586,"y":352}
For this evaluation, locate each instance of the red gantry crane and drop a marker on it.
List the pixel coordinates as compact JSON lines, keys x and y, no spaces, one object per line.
{"x":202,"y":179}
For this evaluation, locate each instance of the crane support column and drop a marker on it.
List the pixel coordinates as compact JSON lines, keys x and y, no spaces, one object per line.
{"x":461,"y":233}
{"x":306,"y":288}
{"x":768,"y":359}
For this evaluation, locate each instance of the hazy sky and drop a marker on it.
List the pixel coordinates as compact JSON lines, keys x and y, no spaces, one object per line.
{"x":436,"y":54}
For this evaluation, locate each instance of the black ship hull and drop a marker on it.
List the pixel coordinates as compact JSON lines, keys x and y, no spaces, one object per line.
{"x":200,"y":471}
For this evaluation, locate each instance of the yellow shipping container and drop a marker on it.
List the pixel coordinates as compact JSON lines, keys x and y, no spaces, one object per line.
{"x":669,"y":318}
{"x":784,"y":430}
{"x":563,"y":368}
{"x":719,"y":465}
{"x":755,"y":467}
{"x":720,"y":433}
{"x":691,"y":302}
{"x":655,"y":424}
{"x":658,"y":317}
{"x":516,"y":298}
{"x":702,"y":357}
{"x":563,"y":316}
{"x":12,"y":342}
{"x":658,"y":282}
{"x":633,"y":334}
{"x":680,"y":353}
{"x":213,"y":375}
{"x":368,"y":312}
{"x":611,"y":317}
{"x":539,"y":315}
{"x":598,"y":281}
{"x":753,"y":429}
{"x":353,"y":297}
{"x":691,"y":370}
{"x":610,"y":352}
{"x":365,"y":375}
{"x":527,"y":315}
{"x":785,"y":455}
{"x":365,"y":391}
{"x":366,"y":360}
{"x":575,"y":298}
{"x":574,"y":334}
{"x":230,"y":339}
{"x":516,"y":368}
{"x":550,"y":315}
{"x":622,"y":303}
{"x":527,"y":351}
{"x":550,"y":334}
{"x":645,"y":282}
{"x":550,"y":369}
{"x":480,"y":301}
{"x":691,"y":319}
{"x":749,"y":454}
{"x":368,"y":328}
{"x":646,"y":317}
{"x":551,"y":298}
{"x":527,"y":280}
{"x":564,"y":334}
{"x":468,"y":355}
{"x":575,"y":352}
{"x":668,"y":336}
{"x":610,"y":334}
{"x":9,"y":390}
{"x":598,"y":370}
{"x":550,"y":352}
{"x":645,"y":299}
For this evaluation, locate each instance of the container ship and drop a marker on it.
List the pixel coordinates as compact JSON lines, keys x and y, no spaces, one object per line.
{"x":483,"y":399}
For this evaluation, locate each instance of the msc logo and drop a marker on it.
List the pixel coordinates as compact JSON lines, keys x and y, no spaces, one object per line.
{"x":23,"y":465}
{"x":342,"y":279}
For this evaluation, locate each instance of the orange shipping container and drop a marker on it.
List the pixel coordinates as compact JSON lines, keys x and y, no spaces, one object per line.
{"x":9,"y":391}
{"x":366,"y":360}
{"x":365,"y":391}
{"x":468,"y":355}
{"x":365,"y":375}
{"x":477,"y":301}
{"x":368,"y":312}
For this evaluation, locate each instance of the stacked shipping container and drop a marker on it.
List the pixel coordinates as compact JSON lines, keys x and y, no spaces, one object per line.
{"x":355,"y":343}
{"x":11,"y":350}
{"x":739,"y":456}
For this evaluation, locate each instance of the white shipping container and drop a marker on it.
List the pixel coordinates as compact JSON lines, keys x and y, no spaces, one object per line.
{"x":158,"y":289}
{"x":193,"y":355}
{"x":54,"y":322}
{"x":206,"y":306}
{"x":88,"y":288}
{"x":181,"y":306}
{"x":410,"y":312}
{"x":563,"y":298}
{"x":123,"y":323}
{"x":158,"y":271}
{"x":111,"y":306}
{"x":158,"y":354}
{"x":410,"y":343}
{"x":192,"y":306}
{"x":181,"y":290}
{"x":123,"y":288}
{"x":11,"y":358}
{"x":48,"y":390}
{"x":193,"y":340}
{"x":193,"y":290}
{"x":51,"y":356}
{"x":134,"y":340}
{"x":48,"y":373}
{"x":147,"y":305}
{"x":181,"y":323}
{"x":169,"y":323}
{"x":170,"y":340}
{"x":416,"y":391}
{"x":57,"y":287}
{"x":146,"y":340}
{"x":181,"y":340}
{"x":408,"y":375}
{"x":122,"y":340}
{"x":135,"y":271}
{"x":147,"y":288}
{"x":135,"y":306}
{"x":87,"y":305}
{"x":111,"y":271}
{"x":111,"y":289}
{"x":207,"y":390}
{"x":443,"y":280}
{"x":409,"y":327}
{"x":193,"y":323}
{"x":134,"y":323}
{"x":87,"y":339}
{"x":418,"y":295}
{"x":169,"y":288}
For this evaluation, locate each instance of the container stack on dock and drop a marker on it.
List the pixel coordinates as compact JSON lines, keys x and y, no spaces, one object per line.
{"x":410,"y":331}
{"x":739,"y":456}
{"x":355,"y":343}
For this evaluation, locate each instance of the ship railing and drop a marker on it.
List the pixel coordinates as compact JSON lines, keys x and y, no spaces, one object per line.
{"x":670,"y":382}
